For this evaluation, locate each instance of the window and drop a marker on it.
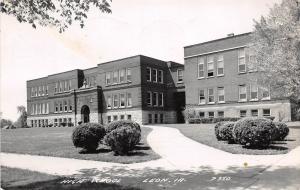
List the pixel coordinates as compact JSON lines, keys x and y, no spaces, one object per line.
{"x":60,"y":86}
{"x":32,"y":109}
{"x":66,"y":105}
{"x":47,"y":89}
{"x":108,"y":78}
{"x":155,"y":99}
{"x":148,"y":74}
{"x":156,"y":118}
{"x":161,"y":117}
{"x":160,"y":76}
{"x":243,"y":113}
{"x":254,"y":113}
{"x":32,"y":92}
{"x":56,"y":87}
{"x":40,"y":108}
{"x":66,"y":86}
{"x":47,"y":108}
{"x":210,"y":66}
{"x":36,"y":91}
{"x":109,"y":102}
{"x":69,"y":120}
{"x":201,"y":114}
{"x":43,"y":108}
{"x":149,"y":118}
{"x":211,"y":98}
{"x":254,"y":92}
{"x":70,"y":106}
{"x":122,"y":75}
{"x":242,"y":93}
{"x":60,"y":106}
{"x":154,"y":75}
{"x":265,"y":93}
{"x":70,"y":84}
{"x":220,"y":114}
{"x":115,"y":117}
{"x":122,"y":117}
{"x":221,"y":94}
{"x":252,"y":64}
{"x":116,"y":101}
{"x":36,"y":109}
{"x":108,"y":119}
{"x":40,"y":91}
{"x":266,"y":112}
{"x":211,"y":114}
{"x":220,"y":65}
{"x":161,"y":99}
{"x":128,"y":75}
{"x":115,"y":77}
{"x":200,"y":67}
{"x":241,"y":61}
{"x":122,"y":100}
{"x":129,"y":100}
{"x":55,"y":122}
{"x":179,"y":76}
{"x":128,"y":117}
{"x":149,"y":98}
{"x":201,"y":97}
{"x":56,"y":106}
{"x":43,"y":91}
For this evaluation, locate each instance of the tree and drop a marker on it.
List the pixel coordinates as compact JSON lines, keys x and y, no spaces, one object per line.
{"x":57,"y":13}
{"x":276,"y":48}
{"x":5,"y":122}
{"x":22,"y":120}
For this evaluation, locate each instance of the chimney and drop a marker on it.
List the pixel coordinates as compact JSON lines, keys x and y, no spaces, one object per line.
{"x":230,"y":35}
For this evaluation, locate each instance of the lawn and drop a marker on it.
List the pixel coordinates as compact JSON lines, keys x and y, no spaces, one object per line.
{"x":204,"y":133}
{"x":57,"y":142}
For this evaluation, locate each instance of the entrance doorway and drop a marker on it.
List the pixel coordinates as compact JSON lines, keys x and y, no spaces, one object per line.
{"x":85,"y":114}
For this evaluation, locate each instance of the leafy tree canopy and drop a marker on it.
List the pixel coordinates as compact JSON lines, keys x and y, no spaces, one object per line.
{"x":58,"y":13}
{"x":276,"y":47}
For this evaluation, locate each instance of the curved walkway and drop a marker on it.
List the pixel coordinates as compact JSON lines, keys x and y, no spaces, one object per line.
{"x":177,"y":151}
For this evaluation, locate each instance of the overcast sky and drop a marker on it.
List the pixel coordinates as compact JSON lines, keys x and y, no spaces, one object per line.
{"x":156,"y":28}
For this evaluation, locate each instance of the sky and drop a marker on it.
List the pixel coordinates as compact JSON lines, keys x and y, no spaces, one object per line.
{"x":155,"y":28}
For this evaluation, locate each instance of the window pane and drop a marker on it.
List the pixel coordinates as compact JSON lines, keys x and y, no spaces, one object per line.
{"x":129,"y":100}
{"x":129,"y":75}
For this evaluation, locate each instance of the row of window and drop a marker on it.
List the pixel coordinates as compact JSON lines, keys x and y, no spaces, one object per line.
{"x":39,"y":91}
{"x":210,"y":63}
{"x":121,"y":100}
{"x":39,"y":122}
{"x":63,"y":106}
{"x":63,"y":86}
{"x":179,"y":76}
{"x":116,"y":118}
{"x":40,"y":108}
{"x":62,"y":121}
{"x":118,"y":76}
{"x":155,"y":118}
{"x":45,"y":122}
{"x":243,"y":113}
{"x":210,"y":97}
{"x":154,"y":75}
{"x":155,"y":99}
{"x":89,"y":81}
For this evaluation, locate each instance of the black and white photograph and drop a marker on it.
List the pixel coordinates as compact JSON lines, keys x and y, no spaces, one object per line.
{"x":150,"y":94}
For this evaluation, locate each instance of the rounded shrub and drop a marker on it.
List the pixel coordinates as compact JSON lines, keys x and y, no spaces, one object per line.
{"x":122,"y":139}
{"x":282,"y":131}
{"x":217,"y":129}
{"x":254,"y":132}
{"x":225,"y":132}
{"x":116,"y":124}
{"x":88,"y":136}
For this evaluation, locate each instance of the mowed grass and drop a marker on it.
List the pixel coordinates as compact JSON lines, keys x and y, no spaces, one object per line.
{"x":57,"y":142}
{"x":205,"y":134}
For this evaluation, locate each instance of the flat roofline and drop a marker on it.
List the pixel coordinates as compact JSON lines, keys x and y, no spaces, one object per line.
{"x":119,"y":59}
{"x":220,"y":39}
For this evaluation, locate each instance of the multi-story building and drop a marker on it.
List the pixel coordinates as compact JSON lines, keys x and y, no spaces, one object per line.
{"x":221,"y":82}
{"x":137,"y":88}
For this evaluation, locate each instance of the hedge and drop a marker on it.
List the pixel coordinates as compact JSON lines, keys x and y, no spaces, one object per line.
{"x":282,"y":131}
{"x":226,"y":132}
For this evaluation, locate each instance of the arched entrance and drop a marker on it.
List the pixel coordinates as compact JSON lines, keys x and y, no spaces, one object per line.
{"x":85,"y":114}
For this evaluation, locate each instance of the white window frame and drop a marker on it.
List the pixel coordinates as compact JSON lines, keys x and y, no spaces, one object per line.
{"x":242,"y":100}
{"x":161,"y":95}
{"x":124,"y":75}
{"x":180,"y":76}
{"x":161,"y":74}
{"x":155,"y":96}
{"x":252,"y":112}
{"x":263,"y":89}
{"x":201,"y":103}
{"x":201,"y":62}
{"x":114,"y":98}
{"x":218,"y":113}
{"x":122,"y":96}
{"x":251,"y":98}
{"x":108,"y":78}
{"x":70,"y":84}
{"x":210,"y":62}
{"x":209,"y":95}
{"x":70,"y":106}
{"x":117,"y":77}
{"x":154,"y":75}
{"x":264,"y":114}
{"x":150,"y":74}
{"x":242,"y":57}
{"x":149,"y":94}
{"x":128,"y":73}
{"x":241,"y":113}
{"x":129,"y":100}
{"x":213,"y":114}
{"x":218,"y":90}
{"x":220,"y":61}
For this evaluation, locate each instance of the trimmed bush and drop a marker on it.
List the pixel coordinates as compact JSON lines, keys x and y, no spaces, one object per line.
{"x":225,"y":132}
{"x":116,"y":124}
{"x":254,"y":132}
{"x":211,"y":120}
{"x":123,"y":139}
{"x":88,"y":136}
{"x":282,"y":131}
{"x":217,"y":130}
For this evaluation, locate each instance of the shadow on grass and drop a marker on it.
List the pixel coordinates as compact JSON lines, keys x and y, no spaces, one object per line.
{"x":99,"y":150}
{"x":149,"y":178}
{"x":270,"y":147}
